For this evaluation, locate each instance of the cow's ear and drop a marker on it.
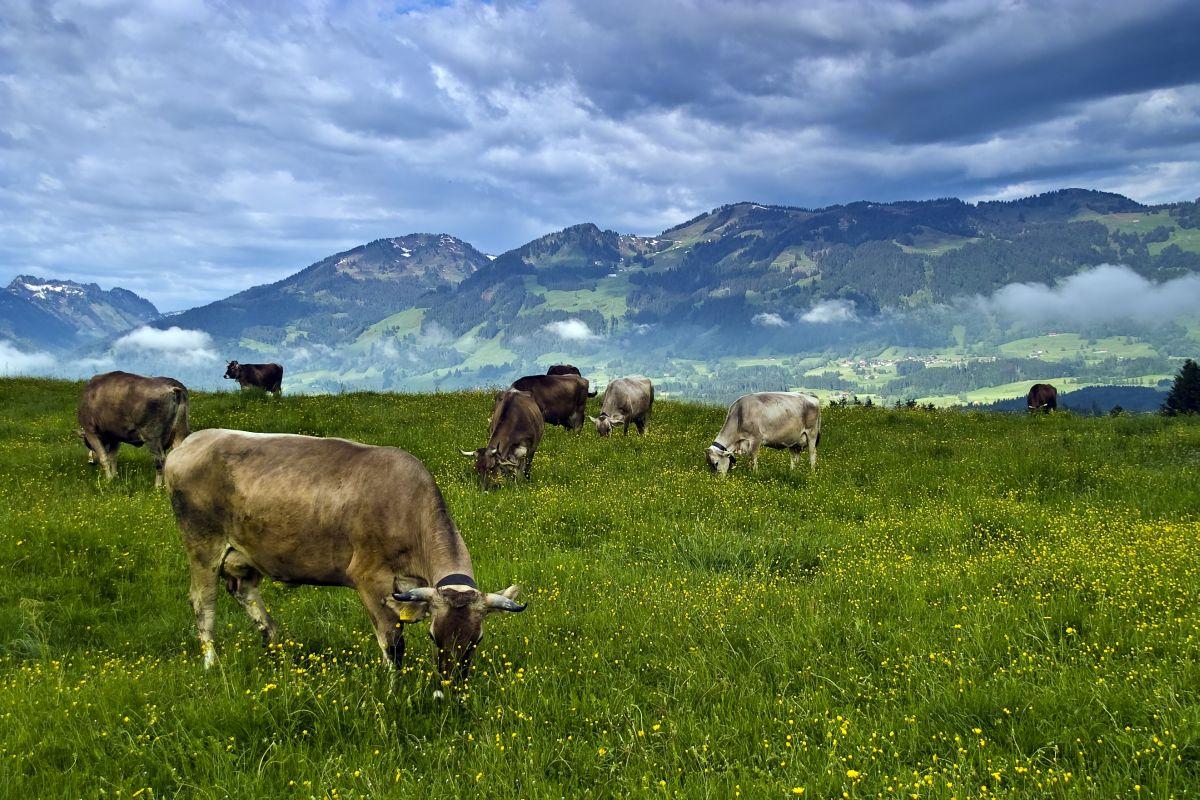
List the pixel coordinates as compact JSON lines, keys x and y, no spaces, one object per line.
{"x":406,"y":607}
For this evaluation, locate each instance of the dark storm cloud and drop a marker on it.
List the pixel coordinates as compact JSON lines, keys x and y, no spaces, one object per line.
{"x":187,"y":150}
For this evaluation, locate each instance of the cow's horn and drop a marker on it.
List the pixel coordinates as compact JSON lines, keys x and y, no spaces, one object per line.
{"x":421,"y":594}
{"x":468,"y":453}
{"x":499,"y":602}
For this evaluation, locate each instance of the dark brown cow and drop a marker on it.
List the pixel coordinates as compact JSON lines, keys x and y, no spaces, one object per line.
{"x":122,"y":408}
{"x":516,"y":432}
{"x":564,"y":369}
{"x":268,"y":377}
{"x":1042,"y":397}
{"x":327,"y":512}
{"x":562,"y":398}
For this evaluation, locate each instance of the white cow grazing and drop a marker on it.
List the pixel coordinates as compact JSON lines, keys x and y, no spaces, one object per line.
{"x":779,"y":420}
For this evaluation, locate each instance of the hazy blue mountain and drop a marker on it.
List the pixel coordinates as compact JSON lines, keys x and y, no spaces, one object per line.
{"x":44,"y":313}
{"x":333,"y":300}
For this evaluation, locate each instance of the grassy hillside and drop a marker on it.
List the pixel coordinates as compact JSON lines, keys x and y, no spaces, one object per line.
{"x":953,"y":605}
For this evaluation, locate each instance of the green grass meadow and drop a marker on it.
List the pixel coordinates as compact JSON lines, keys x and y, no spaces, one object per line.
{"x":954,"y":605}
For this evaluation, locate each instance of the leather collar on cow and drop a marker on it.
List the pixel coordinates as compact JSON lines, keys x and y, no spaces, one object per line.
{"x":724,"y":449}
{"x":456,"y":579}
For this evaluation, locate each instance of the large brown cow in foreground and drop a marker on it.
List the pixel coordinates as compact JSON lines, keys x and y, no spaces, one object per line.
{"x":516,"y":432}
{"x":625,"y":400}
{"x":327,"y":512}
{"x":562,"y":398}
{"x":1042,"y":397}
{"x":779,"y":420}
{"x":122,"y":408}
{"x":268,"y":377}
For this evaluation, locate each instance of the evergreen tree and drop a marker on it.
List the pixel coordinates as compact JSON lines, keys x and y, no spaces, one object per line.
{"x":1184,"y":397}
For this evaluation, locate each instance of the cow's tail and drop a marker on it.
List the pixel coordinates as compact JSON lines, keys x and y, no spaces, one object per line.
{"x":181,"y":424}
{"x":593,"y":392}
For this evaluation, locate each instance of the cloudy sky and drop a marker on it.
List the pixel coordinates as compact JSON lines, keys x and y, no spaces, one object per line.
{"x":188,"y":149}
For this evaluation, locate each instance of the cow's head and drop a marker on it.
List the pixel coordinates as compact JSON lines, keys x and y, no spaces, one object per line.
{"x":720,"y":458}
{"x":488,"y":463}
{"x":232,"y":370}
{"x":456,"y":612}
{"x":605,"y":423}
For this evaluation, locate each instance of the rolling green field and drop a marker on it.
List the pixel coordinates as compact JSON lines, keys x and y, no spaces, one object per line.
{"x":952,"y":606}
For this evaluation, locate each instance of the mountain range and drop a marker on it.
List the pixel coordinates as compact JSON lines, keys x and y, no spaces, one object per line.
{"x":741,"y":295}
{"x":60,"y":315}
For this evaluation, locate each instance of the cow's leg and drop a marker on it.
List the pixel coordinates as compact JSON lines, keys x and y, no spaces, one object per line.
{"x":625,"y":428}
{"x":203,"y":594}
{"x":795,"y":451}
{"x":108,"y":458}
{"x":95,"y":449}
{"x":812,"y":452}
{"x":155,"y":446}
{"x":641,"y":423}
{"x":389,"y":632}
{"x":528,"y":466}
{"x":243,"y":581}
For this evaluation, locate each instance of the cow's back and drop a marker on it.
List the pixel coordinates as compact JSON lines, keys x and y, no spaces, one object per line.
{"x":775,"y":416}
{"x":300,"y":507}
{"x":631,"y":397}
{"x":516,"y":410}
{"x":561,"y":398}
{"x":130,"y":408}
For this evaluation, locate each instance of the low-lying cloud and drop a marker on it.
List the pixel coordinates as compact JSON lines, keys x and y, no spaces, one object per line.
{"x":573,"y":330}
{"x":831,"y":311}
{"x":15,"y":362}
{"x":1106,"y":293}
{"x":769,"y":319}
{"x":181,"y":344}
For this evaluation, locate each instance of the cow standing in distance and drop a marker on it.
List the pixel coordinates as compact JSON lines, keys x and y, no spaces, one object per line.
{"x":268,"y":377}
{"x":1042,"y":397}
{"x":122,"y":408}
{"x":562,"y":398}
{"x":779,"y":420}
{"x":626,"y":400}
{"x":327,"y":512}
{"x":516,"y":432}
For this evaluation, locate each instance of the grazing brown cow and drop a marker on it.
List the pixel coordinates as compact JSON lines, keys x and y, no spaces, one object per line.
{"x":779,"y":420}
{"x":268,"y":377}
{"x":625,"y":400}
{"x":327,"y":512}
{"x":562,"y":398}
{"x":564,"y":369}
{"x":517,"y":428}
{"x":122,"y":408}
{"x":1042,"y":397}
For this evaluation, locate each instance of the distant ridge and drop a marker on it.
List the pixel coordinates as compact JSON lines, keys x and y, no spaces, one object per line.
{"x":56,"y":314}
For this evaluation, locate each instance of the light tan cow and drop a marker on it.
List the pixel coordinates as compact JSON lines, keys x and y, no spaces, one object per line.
{"x":626,"y":400}
{"x":779,"y":420}
{"x":327,"y":512}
